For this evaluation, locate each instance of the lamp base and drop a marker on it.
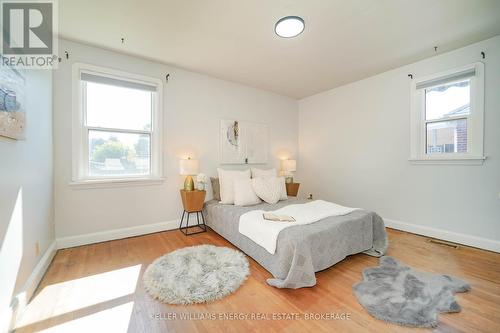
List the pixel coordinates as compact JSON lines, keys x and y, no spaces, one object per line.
{"x":189,"y":184}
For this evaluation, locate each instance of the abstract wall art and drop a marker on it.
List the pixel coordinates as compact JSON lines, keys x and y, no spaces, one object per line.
{"x":243,"y":142}
{"x":12,"y":103}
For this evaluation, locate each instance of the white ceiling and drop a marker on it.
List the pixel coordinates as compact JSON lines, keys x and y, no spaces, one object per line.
{"x":343,"y":41}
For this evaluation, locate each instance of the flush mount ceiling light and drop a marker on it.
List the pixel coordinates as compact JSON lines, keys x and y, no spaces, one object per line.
{"x":289,"y":26}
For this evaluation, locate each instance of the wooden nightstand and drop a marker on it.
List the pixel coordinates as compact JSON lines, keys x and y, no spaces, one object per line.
{"x":193,"y":202}
{"x":292,"y":189}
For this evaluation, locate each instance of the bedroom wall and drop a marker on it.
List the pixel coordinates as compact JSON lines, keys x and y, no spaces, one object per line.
{"x":193,"y":107}
{"x":26,"y":194}
{"x":354,"y":150}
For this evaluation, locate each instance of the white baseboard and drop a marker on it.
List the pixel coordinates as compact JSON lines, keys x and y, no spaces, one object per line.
{"x":39,"y":270}
{"x":474,"y":241}
{"x":20,"y":301}
{"x":108,"y":235}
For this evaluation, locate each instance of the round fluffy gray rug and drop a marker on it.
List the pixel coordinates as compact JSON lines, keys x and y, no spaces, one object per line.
{"x":196,"y":274}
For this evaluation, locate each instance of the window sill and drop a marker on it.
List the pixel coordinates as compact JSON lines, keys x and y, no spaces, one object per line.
{"x":449,"y":160}
{"x":113,"y":183}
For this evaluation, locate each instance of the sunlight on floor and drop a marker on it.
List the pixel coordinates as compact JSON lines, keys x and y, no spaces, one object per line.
{"x":11,"y":254}
{"x":61,"y":298}
{"x":114,"y":320}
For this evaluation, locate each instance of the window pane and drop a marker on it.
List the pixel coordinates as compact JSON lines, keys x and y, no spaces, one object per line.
{"x":115,"y":154}
{"x":447,"y":100}
{"x":118,"y":107}
{"x":447,"y":137}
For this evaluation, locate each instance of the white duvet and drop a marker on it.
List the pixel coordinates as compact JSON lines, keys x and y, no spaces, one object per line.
{"x":265,"y":233}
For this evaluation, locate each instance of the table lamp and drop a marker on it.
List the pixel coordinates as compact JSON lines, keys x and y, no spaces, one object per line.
{"x":288,"y":167}
{"x":188,"y":168}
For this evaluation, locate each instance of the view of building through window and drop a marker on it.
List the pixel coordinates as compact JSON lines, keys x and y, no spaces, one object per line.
{"x":447,"y":137}
{"x":446,"y":110}
{"x":119,"y":130}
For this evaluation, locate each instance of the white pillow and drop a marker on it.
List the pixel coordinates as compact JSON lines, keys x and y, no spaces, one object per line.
{"x":263,"y":173}
{"x":268,"y":189}
{"x":284,"y":195}
{"x":226,"y":180}
{"x":244,"y":195}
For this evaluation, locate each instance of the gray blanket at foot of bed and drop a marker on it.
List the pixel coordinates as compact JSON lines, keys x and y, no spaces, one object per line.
{"x":303,"y":250}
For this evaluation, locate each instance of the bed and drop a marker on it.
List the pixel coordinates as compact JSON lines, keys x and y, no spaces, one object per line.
{"x":302,"y":250}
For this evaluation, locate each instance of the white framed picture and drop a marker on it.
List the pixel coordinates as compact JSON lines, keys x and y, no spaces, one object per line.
{"x":12,"y":103}
{"x":243,"y":142}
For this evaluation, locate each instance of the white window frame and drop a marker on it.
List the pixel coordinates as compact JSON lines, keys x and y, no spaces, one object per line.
{"x":80,"y":130}
{"x":475,"y":120}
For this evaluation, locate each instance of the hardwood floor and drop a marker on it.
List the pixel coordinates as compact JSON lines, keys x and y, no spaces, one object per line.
{"x":97,"y":288}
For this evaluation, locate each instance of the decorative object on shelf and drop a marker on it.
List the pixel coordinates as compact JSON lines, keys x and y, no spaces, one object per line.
{"x":201,"y":179}
{"x":192,"y":201}
{"x":292,"y":189}
{"x":243,"y":142}
{"x":12,"y":101}
{"x":188,"y":168}
{"x":288,"y":167}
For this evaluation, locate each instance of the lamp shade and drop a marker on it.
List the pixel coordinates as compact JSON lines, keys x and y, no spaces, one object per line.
{"x":188,"y":167}
{"x":289,"y":165}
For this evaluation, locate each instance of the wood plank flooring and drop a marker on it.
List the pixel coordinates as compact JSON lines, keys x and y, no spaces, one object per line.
{"x":98,"y":288}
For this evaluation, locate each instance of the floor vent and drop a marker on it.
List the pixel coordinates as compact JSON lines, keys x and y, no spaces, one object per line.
{"x":442,"y":242}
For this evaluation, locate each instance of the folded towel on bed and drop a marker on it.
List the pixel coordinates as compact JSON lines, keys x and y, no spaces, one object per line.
{"x":265,"y":233}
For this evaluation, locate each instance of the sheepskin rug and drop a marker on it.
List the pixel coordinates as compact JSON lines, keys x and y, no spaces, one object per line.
{"x":196,"y":274}
{"x":398,"y":294}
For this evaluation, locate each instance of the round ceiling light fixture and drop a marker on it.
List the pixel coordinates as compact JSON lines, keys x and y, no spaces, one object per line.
{"x":289,"y":26}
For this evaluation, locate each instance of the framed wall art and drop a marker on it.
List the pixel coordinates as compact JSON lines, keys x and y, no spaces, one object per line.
{"x":243,"y":142}
{"x":12,"y":103}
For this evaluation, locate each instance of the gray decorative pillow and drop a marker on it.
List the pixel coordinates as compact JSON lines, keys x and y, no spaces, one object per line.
{"x":215,"y":188}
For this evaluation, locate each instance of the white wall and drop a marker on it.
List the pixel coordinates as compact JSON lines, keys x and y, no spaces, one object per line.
{"x":354,"y":150}
{"x":193,"y":106}
{"x":26,"y":191}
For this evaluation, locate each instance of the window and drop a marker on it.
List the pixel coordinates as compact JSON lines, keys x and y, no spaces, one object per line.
{"x":447,"y":117}
{"x":116,"y":128}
